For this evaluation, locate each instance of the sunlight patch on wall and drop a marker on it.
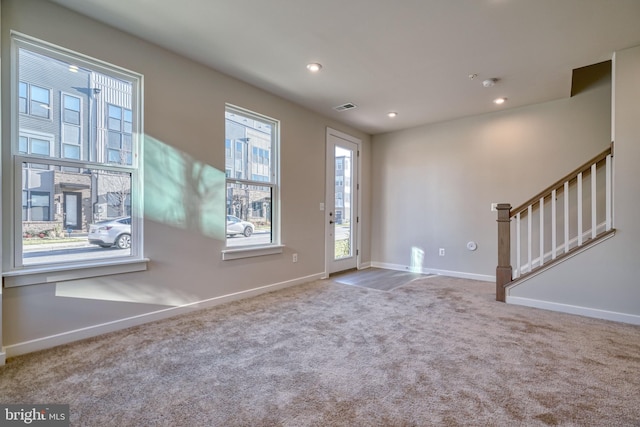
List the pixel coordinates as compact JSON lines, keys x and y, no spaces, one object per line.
{"x":105,"y":289}
{"x":417,"y":260}
{"x":181,"y":191}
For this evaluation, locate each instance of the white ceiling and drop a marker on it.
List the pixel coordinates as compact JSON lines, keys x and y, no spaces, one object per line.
{"x":409,"y":56}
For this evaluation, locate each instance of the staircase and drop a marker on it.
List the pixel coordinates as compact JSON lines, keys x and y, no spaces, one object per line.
{"x":561,"y":221}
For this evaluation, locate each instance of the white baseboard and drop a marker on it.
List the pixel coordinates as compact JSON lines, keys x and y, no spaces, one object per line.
{"x":116,"y":325}
{"x":3,"y":358}
{"x":460,"y":274}
{"x":364,"y":265}
{"x":572,"y":309}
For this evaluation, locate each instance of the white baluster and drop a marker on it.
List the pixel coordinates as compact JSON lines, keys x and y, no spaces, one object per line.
{"x":594,"y":205}
{"x":609,"y":191}
{"x":553,"y":225}
{"x":529,"y":251}
{"x":580,"y":209}
{"x":541,"y":232}
{"x":518,"y":261}
{"x":566,"y":216}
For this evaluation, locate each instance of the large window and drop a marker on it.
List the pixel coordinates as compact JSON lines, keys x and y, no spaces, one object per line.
{"x":251,"y":146}
{"x":78,"y":168}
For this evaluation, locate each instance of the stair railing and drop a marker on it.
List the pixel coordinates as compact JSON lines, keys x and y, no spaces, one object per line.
{"x":550,"y":226}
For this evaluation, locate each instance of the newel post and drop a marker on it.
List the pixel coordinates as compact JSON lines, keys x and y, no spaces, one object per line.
{"x":503,"y":270}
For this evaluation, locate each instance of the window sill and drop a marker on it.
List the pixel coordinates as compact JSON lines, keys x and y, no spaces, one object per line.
{"x":61,"y":273}
{"x":239,"y":253}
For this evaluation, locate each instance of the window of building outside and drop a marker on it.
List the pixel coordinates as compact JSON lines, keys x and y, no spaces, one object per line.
{"x":34,"y":100}
{"x":71,"y":127}
{"x":75,"y":159}
{"x":251,"y":164}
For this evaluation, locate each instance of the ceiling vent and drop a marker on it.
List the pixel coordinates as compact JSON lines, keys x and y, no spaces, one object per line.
{"x":345,"y":107}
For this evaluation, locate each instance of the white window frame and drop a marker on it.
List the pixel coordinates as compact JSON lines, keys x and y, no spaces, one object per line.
{"x":15,"y":273}
{"x":275,"y":247}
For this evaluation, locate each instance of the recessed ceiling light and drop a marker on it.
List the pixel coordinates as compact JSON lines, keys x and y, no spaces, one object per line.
{"x":392,"y":114}
{"x":314,"y":67}
{"x":499,"y":101}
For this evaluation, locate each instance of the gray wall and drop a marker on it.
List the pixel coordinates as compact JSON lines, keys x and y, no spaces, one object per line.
{"x":606,"y":277}
{"x":434,"y":184}
{"x":184,"y":115}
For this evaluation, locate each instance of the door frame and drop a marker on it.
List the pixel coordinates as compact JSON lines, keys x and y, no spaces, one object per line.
{"x":329,"y":180}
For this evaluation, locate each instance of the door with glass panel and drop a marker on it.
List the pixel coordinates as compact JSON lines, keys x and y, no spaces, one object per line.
{"x":341,"y":205}
{"x":72,"y":211}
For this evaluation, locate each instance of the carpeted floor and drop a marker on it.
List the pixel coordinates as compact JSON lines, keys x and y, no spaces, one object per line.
{"x":436,"y":351}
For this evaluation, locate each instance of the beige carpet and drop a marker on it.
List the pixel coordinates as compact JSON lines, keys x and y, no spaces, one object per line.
{"x":435,"y":352}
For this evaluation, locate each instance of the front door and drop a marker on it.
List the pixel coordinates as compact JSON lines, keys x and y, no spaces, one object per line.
{"x":72,"y":211}
{"x":341,"y":205}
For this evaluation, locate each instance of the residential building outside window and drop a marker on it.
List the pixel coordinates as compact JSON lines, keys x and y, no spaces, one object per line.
{"x":342,"y":188}
{"x":251,"y":147}
{"x":75,"y":157}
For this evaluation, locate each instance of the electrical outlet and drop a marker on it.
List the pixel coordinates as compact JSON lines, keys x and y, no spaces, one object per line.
{"x":295,"y":257}
{"x":441,"y":253}
{"x":494,"y":207}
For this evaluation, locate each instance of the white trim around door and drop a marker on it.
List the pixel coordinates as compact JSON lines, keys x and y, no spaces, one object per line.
{"x":342,"y":202}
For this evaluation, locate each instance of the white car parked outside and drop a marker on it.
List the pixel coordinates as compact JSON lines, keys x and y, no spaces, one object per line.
{"x":237,"y":226}
{"x":111,"y":232}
